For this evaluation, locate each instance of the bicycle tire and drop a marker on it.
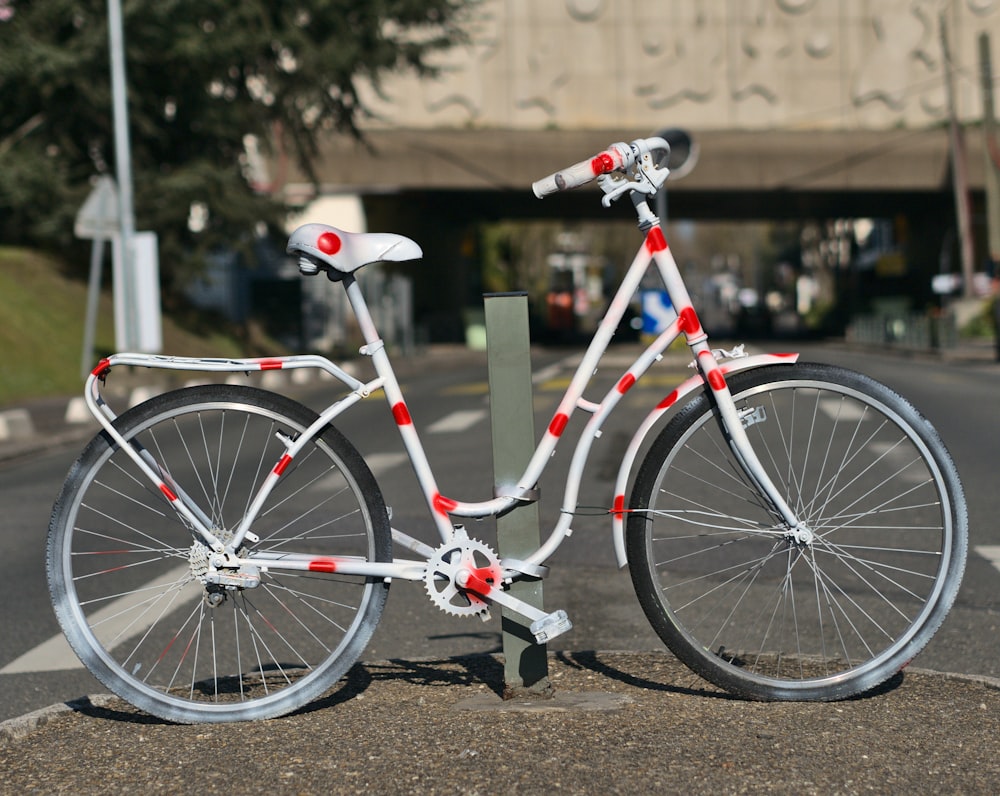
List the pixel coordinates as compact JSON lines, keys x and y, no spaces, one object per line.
{"x":123,"y":569}
{"x":766,"y":617}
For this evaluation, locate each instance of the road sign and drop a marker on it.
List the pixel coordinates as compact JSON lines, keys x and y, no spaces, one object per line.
{"x":98,"y":216}
{"x":657,"y":311}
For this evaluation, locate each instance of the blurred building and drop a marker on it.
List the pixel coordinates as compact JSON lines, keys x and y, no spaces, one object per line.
{"x":802,"y":109}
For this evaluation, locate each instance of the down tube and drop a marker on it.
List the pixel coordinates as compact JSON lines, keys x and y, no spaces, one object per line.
{"x":593,"y":430}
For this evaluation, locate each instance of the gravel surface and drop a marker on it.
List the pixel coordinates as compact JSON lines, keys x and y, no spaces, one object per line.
{"x":618,"y":723}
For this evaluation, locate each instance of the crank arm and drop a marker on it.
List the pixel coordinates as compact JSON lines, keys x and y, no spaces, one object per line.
{"x":544,"y":626}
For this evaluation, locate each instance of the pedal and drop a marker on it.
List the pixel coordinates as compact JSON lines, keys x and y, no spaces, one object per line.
{"x":550,"y":626}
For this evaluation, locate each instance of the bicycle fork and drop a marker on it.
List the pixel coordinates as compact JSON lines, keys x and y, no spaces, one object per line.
{"x":739,"y":443}
{"x":712,"y":373}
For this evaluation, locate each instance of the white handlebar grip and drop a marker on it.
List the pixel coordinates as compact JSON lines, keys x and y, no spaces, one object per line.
{"x":583,"y":172}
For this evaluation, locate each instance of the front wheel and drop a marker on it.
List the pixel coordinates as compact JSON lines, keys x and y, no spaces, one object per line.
{"x":766,"y":615}
{"x":127,"y":576}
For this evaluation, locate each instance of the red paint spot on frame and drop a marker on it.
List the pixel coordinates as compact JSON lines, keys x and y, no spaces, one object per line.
{"x":323,"y":565}
{"x":626,"y":383}
{"x":558,"y":424}
{"x":655,"y":241}
{"x":716,"y":380}
{"x":167,"y":493}
{"x":444,"y":505}
{"x":669,"y":401}
{"x":689,"y":322}
{"x":401,"y":414}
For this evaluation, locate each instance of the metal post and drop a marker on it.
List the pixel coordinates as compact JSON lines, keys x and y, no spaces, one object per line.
{"x":507,"y":347}
{"x":123,"y":163}
{"x":991,"y":152}
{"x":960,"y":179}
{"x":93,"y":300}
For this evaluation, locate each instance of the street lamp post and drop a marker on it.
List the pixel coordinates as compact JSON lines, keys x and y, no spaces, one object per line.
{"x":123,"y":163}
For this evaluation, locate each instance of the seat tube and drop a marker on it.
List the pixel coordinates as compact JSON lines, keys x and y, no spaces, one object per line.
{"x":375,"y":348}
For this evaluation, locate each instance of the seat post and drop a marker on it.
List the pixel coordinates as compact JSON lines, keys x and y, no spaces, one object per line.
{"x":360,"y":307}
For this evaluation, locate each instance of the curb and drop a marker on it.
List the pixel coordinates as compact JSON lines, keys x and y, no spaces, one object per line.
{"x":22,"y":726}
{"x":15,"y":424}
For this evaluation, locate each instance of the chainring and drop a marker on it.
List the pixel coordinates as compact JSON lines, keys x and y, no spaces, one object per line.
{"x":461,"y":555}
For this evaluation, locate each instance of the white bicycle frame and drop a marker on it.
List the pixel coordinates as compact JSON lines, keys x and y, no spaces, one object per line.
{"x":710,"y":370}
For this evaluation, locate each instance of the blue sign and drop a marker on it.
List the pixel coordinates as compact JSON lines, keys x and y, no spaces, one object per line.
{"x":657,"y":311}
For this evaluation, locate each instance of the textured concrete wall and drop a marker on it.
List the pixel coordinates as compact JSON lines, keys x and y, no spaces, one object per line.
{"x":703,"y":64}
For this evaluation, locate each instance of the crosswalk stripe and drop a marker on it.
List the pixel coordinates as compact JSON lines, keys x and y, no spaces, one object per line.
{"x":114,"y":620}
{"x":991,"y":552}
{"x":457,"y":421}
{"x":53,"y":655}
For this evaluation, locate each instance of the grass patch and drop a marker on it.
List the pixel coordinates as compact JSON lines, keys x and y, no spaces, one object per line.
{"x":42,"y":313}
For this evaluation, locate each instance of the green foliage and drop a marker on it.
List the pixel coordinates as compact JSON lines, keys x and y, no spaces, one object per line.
{"x":44,"y":311}
{"x":981,"y":325}
{"x":202,"y":76}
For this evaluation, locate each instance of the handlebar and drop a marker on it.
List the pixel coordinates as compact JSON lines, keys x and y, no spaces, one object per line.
{"x":617,"y":157}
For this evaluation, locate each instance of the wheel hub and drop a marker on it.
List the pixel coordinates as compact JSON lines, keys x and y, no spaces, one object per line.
{"x":801,"y":535}
{"x":216,"y":576}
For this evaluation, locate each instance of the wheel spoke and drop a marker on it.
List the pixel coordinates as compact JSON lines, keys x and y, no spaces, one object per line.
{"x":131,"y":584}
{"x":766,"y":612}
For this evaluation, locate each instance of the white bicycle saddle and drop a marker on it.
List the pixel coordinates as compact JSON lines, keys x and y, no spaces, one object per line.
{"x":345,"y":252}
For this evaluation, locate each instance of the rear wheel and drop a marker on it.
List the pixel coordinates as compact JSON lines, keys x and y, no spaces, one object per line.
{"x":768,"y":616}
{"x":126,"y":574}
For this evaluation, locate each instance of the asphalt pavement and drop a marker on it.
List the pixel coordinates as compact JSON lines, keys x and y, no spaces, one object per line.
{"x":617,"y":722}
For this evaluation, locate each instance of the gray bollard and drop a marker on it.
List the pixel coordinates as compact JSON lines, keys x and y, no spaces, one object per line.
{"x":512,"y":418}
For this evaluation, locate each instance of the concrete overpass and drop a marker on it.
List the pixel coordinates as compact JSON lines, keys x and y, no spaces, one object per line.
{"x":802,"y":110}
{"x":741,"y":174}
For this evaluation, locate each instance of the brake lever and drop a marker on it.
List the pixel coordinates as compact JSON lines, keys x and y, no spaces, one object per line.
{"x":614,"y":186}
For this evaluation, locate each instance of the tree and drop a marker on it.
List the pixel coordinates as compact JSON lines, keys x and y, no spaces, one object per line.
{"x":203,"y":76}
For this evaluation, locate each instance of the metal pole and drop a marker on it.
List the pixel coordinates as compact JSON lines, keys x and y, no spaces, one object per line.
{"x":992,"y":168}
{"x":93,"y":299}
{"x":507,"y":349}
{"x":990,"y":150}
{"x":123,"y":165}
{"x":960,"y":177}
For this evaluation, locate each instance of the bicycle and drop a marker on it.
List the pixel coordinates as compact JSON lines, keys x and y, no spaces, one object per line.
{"x":219,"y":553}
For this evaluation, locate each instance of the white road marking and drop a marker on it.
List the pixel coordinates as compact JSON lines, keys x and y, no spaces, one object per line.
{"x":846,"y":411}
{"x":379,"y":463}
{"x":991,"y":552}
{"x":113,"y":619}
{"x":547,"y":374}
{"x":457,"y":421}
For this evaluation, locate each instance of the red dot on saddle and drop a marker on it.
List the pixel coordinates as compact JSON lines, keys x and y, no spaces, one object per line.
{"x":328,"y":243}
